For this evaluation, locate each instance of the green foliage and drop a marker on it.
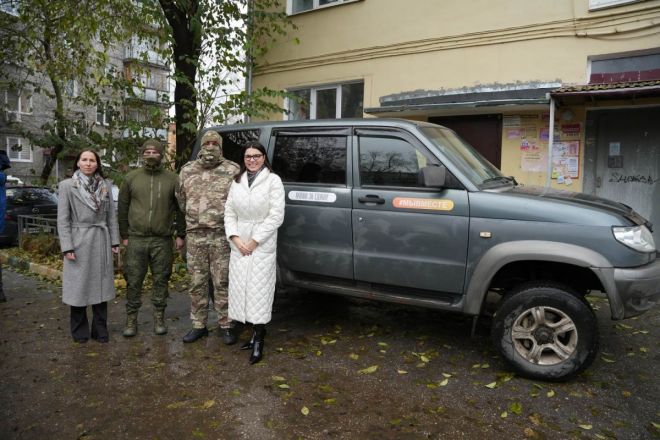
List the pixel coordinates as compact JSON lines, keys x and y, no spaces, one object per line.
{"x":59,"y":49}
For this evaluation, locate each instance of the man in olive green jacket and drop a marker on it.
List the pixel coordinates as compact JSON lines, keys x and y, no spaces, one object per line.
{"x":148,"y":213}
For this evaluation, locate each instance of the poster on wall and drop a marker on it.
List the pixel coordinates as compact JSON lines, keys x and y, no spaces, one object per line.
{"x":533,"y":159}
{"x":565,"y":160}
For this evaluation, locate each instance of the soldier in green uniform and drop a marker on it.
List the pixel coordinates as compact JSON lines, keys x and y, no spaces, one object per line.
{"x":203,"y":187}
{"x":147,"y":213}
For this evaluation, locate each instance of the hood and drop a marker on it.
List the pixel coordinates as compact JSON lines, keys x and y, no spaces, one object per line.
{"x":536,"y":203}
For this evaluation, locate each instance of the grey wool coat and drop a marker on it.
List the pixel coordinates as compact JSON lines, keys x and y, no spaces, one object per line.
{"x":90,"y":234}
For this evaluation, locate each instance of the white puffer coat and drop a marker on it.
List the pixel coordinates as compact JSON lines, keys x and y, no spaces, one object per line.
{"x":254,"y":212}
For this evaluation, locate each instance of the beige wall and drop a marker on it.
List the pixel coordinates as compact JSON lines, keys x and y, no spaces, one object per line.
{"x":399,"y":46}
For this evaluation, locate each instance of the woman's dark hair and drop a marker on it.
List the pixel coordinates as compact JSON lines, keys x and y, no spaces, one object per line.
{"x":99,"y":168}
{"x":257,"y":146}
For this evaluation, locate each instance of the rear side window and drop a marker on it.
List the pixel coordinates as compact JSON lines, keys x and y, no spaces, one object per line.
{"x":311,"y":159}
{"x":386,"y":161}
{"x":233,"y":142}
{"x":30,"y":195}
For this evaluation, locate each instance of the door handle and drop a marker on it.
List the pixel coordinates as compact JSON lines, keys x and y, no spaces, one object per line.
{"x":372,"y":199}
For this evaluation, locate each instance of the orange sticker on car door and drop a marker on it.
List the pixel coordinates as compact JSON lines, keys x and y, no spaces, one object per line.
{"x":416,"y":203}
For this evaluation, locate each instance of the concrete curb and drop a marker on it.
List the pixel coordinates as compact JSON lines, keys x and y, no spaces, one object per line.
{"x":39,"y":269}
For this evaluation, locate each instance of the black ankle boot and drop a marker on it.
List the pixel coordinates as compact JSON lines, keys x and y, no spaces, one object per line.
{"x":248,"y":345}
{"x":258,"y":344}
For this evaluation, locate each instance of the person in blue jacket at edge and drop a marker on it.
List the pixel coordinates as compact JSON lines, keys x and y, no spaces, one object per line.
{"x":4,"y":164}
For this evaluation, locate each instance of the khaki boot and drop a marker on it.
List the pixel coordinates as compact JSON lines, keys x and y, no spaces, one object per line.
{"x":159,"y":322}
{"x":131,"y":325}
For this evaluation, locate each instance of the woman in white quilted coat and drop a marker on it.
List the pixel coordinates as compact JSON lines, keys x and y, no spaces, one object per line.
{"x":253,"y":212}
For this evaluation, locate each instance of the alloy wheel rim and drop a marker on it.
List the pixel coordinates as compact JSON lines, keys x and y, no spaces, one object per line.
{"x":544,"y":335}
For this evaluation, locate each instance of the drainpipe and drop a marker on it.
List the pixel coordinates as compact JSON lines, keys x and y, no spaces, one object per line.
{"x":551,"y":140}
{"x":248,"y":56}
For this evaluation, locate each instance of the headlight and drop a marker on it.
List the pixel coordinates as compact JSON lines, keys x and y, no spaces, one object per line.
{"x":638,"y":238}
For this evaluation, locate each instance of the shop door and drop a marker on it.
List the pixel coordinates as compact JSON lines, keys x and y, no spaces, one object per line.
{"x":624,"y":166}
{"x":483,"y":132}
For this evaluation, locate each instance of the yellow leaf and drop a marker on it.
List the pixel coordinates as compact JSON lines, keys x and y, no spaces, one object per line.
{"x":278,"y":378}
{"x":446,"y":374}
{"x":353,"y":356}
{"x":383,"y":344}
{"x":609,"y":361}
{"x":92,"y":354}
{"x":491,"y":385}
{"x":586,"y":427}
{"x":485,"y":366}
{"x":444,"y":382}
{"x":504,"y":415}
{"x":655,"y":425}
{"x":424,"y":358}
{"x":318,"y":352}
{"x":476,"y":366}
{"x":643,"y":349}
{"x":626,"y":393}
{"x":304,"y":410}
{"x":369,"y":370}
{"x":551,"y":393}
{"x":208,"y":404}
{"x":176,"y":405}
{"x":329,"y":401}
{"x":284,"y":386}
{"x":383,"y":351}
{"x":402,"y":371}
{"x":421,"y":365}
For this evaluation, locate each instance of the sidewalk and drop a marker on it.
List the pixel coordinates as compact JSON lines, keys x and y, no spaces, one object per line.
{"x":39,"y":269}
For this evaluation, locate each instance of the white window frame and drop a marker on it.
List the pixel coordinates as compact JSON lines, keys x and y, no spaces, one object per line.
{"x":15,"y":156}
{"x":315,"y":5}
{"x":20,"y":106}
{"x":313,"y":99}
{"x":595,"y":5}
{"x":73,"y":89}
{"x":104,"y":106}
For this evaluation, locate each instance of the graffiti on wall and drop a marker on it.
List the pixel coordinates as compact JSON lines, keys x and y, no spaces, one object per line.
{"x":633,"y":178}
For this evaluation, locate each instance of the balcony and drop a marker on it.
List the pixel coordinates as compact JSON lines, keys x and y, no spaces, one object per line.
{"x":160,"y":97}
{"x":142,"y":54}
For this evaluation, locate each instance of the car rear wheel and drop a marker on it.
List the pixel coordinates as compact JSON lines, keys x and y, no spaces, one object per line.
{"x":546,"y":331}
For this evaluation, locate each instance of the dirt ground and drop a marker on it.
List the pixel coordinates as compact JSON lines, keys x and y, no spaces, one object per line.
{"x":333,"y":368}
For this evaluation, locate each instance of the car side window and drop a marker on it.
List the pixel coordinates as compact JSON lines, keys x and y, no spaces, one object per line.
{"x":311,"y":159}
{"x":390,"y":161}
{"x":233,"y":142}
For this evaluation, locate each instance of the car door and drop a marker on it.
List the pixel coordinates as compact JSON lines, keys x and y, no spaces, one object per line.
{"x":405,"y":235}
{"x":316,"y":236}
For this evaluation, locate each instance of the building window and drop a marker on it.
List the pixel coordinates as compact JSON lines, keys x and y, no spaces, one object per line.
{"x":17,"y":104}
{"x":326,"y":102}
{"x":625,"y":68}
{"x":297,"y":6}
{"x":104,"y":114}
{"x":19,"y":150}
{"x":602,"y":4}
{"x":71,"y":88}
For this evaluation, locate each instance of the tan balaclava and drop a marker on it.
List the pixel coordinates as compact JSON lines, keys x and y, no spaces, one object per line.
{"x":210,"y":154}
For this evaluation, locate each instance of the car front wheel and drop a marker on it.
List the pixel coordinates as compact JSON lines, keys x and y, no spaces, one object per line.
{"x":546,"y":331}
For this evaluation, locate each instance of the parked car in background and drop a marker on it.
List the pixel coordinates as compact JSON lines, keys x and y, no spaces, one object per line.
{"x":25,"y":200}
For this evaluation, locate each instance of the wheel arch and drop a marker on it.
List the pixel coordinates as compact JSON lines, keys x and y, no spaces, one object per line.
{"x":497,"y":258}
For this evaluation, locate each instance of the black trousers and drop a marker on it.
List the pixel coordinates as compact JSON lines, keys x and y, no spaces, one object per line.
{"x":80,"y":325}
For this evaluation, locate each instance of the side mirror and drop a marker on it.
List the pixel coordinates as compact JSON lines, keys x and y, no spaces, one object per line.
{"x":433,"y":176}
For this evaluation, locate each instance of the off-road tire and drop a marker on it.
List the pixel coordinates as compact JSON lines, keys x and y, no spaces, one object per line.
{"x":545,"y":331}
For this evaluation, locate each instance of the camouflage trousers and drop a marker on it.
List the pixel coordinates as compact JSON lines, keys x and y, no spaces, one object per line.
{"x":208,"y":257}
{"x":144,"y":253}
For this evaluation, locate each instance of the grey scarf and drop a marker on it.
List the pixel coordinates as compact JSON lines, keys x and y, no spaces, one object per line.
{"x":91,"y":189}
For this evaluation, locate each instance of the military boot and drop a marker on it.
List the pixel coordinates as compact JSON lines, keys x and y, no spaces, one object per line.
{"x":131,"y":325}
{"x":159,"y":322}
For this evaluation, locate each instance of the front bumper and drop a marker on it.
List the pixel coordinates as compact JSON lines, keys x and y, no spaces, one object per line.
{"x":638,"y":289}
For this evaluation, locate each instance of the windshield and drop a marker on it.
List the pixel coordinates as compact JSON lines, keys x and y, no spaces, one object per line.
{"x":468,"y":160}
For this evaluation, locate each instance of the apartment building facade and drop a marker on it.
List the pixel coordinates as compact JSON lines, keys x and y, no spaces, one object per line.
{"x":563,"y":93}
{"x":27,"y":109}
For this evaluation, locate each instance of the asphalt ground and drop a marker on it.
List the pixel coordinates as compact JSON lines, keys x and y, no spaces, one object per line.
{"x":333,"y":368}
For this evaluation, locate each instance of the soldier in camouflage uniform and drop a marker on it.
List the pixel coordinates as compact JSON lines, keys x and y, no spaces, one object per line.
{"x":203,"y":187}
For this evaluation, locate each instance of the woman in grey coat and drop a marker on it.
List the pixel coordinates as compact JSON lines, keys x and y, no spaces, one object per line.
{"x":87,"y":226}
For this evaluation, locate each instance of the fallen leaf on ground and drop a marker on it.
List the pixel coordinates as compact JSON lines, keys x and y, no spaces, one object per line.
{"x":304,"y":410}
{"x":278,"y":378}
{"x":368,"y":370}
{"x":586,"y":427}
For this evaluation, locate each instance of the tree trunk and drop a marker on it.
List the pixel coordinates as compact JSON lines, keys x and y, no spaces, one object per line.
{"x":187,"y":44}
{"x":60,"y":129}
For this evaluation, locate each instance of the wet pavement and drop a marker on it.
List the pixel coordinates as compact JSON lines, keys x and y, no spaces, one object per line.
{"x":333,"y":368}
